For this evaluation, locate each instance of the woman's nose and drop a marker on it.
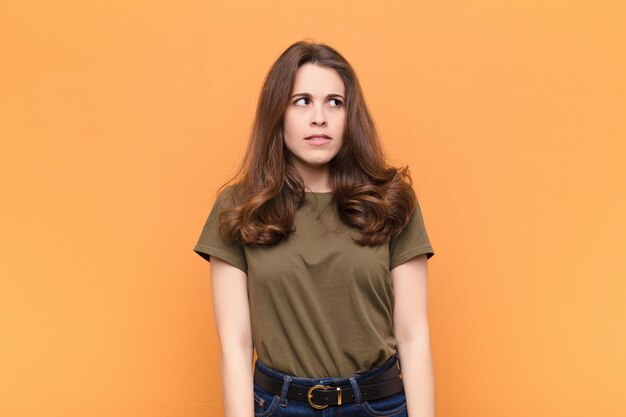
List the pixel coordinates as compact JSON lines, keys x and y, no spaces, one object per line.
{"x":318,"y":118}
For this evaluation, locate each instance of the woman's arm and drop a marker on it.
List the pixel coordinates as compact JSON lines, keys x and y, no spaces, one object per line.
{"x":410,"y":315}
{"x":232,"y":318}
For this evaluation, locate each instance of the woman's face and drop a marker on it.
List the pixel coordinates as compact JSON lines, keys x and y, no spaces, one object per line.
{"x":316,"y":107}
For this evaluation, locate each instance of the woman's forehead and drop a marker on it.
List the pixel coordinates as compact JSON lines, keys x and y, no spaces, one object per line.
{"x":316,"y":80}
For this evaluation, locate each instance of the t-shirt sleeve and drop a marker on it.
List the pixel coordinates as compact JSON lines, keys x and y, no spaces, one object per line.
{"x":211,"y":243}
{"x":411,"y":242}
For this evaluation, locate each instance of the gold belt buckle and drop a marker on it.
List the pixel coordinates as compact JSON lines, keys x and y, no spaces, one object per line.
{"x":317,"y":406}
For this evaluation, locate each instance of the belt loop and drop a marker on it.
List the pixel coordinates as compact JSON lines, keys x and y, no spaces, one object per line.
{"x":356,"y":390}
{"x":285,"y":389}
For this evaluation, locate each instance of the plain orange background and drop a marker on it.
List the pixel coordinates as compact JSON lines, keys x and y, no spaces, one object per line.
{"x":119,"y":120}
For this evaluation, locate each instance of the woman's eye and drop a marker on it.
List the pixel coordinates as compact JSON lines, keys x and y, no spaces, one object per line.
{"x":300,"y":99}
{"x":337,"y":101}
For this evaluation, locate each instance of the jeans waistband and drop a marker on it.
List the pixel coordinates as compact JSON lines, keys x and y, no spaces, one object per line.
{"x":309,"y":382}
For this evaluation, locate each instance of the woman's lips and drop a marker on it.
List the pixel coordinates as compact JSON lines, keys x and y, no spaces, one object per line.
{"x":317,"y":141}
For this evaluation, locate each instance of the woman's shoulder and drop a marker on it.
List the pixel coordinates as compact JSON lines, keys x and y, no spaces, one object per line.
{"x":229,"y":195}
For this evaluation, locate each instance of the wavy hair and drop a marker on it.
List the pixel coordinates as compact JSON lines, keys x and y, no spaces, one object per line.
{"x":373,"y":198}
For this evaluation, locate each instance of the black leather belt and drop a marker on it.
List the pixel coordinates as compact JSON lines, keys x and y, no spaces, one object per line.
{"x":321,"y":396}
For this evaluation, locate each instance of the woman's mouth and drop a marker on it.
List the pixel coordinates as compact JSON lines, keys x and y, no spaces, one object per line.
{"x":317,"y":140}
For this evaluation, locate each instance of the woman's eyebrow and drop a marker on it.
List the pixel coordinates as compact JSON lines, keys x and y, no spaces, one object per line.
{"x":310,"y":96}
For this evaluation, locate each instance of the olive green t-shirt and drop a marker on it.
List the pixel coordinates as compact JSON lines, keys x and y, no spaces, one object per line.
{"x":320,"y":304}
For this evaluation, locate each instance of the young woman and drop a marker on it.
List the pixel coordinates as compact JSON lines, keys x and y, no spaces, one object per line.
{"x":319,"y":257}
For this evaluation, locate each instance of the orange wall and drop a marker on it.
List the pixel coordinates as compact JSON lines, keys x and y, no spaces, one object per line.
{"x":119,"y":120}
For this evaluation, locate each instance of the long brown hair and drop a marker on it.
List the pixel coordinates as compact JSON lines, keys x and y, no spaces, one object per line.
{"x":372,"y":197}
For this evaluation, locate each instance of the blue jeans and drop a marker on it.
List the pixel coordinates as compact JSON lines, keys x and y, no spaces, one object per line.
{"x":267,"y":404}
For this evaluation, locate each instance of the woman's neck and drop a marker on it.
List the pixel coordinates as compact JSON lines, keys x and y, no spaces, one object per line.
{"x":315,"y":179}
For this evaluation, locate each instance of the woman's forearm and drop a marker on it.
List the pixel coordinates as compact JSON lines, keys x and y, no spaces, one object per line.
{"x":418,"y":376}
{"x":237,"y":391}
